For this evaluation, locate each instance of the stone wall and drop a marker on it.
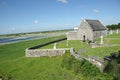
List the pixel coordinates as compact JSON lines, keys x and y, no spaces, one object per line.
{"x":97,"y":61}
{"x":72,"y":35}
{"x":45,"y":52}
{"x":94,"y":60}
{"x":97,"y":34}
{"x":35,"y":52}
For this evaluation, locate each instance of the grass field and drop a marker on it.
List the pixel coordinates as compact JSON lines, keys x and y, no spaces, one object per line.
{"x":15,"y":66}
{"x":99,"y":52}
{"x":77,"y":44}
{"x":110,"y":39}
{"x":103,"y":51}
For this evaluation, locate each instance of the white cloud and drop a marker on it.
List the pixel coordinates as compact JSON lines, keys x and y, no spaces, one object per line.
{"x":63,"y":1}
{"x":35,"y":21}
{"x":96,"y":11}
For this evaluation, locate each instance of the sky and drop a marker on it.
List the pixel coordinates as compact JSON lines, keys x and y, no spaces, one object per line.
{"x":18,"y":16}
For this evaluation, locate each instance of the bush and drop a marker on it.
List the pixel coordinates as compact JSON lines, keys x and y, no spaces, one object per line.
{"x":118,"y":58}
{"x":68,"y":60}
{"x":79,"y":66}
{"x":89,"y":71}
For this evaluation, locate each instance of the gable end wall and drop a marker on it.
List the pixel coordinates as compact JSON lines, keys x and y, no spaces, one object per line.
{"x":85,"y":29}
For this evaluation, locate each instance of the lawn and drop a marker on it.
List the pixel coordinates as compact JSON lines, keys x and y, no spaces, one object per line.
{"x":103,"y":51}
{"x":98,"y":52}
{"x":77,"y":44}
{"x":114,"y":35}
{"x":110,"y":39}
{"x":15,"y":66}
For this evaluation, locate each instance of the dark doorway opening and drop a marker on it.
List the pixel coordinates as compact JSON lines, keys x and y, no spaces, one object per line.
{"x":83,"y":38}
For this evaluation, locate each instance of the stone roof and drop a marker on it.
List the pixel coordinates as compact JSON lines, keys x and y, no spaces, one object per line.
{"x":96,"y":25}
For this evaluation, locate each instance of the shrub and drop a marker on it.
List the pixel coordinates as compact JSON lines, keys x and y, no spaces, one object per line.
{"x":79,"y":66}
{"x":68,"y":60}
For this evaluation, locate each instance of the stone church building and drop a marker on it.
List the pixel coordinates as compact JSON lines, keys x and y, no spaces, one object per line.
{"x":88,"y":30}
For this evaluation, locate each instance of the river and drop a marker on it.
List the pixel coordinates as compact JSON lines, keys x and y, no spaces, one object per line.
{"x":18,"y":39}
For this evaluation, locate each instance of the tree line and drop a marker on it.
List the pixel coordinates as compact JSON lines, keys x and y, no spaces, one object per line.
{"x":113,"y":26}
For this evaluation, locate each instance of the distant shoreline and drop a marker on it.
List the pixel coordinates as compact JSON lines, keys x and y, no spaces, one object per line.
{"x":37,"y":32}
{"x":5,"y":39}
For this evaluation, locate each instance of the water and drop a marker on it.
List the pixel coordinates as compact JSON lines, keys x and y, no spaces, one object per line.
{"x":18,"y":39}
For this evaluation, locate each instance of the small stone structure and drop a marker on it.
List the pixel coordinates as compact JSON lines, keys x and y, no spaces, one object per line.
{"x":97,"y":61}
{"x":101,"y":41}
{"x":117,"y":31}
{"x":54,"y":47}
{"x":35,"y":52}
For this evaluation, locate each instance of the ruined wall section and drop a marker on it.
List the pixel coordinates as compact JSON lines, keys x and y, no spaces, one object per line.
{"x":35,"y":51}
{"x":45,"y":52}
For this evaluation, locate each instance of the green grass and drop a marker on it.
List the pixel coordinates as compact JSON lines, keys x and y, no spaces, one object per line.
{"x":44,"y":68}
{"x":16,"y":50}
{"x":114,"y":35}
{"x":15,"y":66}
{"x":86,"y":71}
{"x":103,"y":51}
{"x":77,"y":44}
{"x":100,"y":51}
{"x":112,"y":41}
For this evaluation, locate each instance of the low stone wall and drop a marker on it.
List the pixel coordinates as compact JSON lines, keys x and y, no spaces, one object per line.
{"x":98,"y":62}
{"x":45,"y":52}
{"x":35,"y":52}
{"x":72,"y":35}
{"x":94,"y":60}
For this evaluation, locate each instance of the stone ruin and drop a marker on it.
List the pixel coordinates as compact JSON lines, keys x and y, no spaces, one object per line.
{"x":35,"y":52}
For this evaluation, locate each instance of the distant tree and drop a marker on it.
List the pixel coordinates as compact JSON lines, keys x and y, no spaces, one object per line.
{"x":113,"y":26}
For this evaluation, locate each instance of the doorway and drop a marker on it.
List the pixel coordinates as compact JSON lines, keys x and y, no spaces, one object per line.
{"x":84,"y":38}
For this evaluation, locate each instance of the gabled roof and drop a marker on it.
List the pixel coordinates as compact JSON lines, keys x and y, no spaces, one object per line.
{"x":96,"y":25}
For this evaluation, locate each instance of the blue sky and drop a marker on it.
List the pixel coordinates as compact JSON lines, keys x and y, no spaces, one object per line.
{"x":17,"y":16}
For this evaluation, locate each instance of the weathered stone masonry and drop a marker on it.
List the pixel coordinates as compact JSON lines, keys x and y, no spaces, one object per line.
{"x":35,"y":52}
{"x":94,"y":60}
{"x":45,"y":52}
